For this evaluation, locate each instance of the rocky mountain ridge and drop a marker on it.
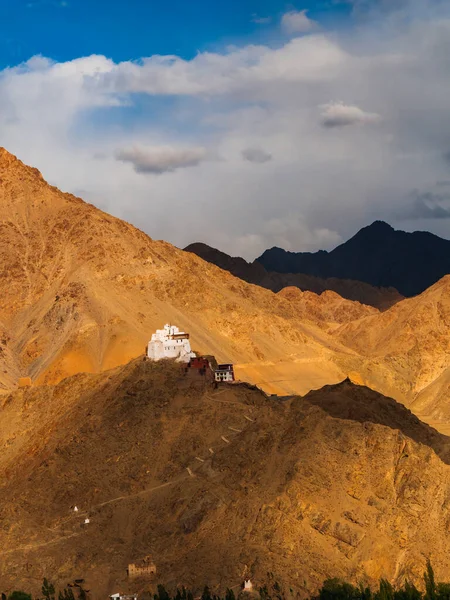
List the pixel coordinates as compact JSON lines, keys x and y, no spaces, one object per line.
{"x":256,"y":273}
{"x":378,"y":255}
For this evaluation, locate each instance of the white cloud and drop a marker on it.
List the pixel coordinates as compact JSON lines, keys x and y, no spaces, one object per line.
{"x":261,"y":20}
{"x":338,"y":114}
{"x":251,"y":70}
{"x":160,"y":159}
{"x":298,"y":22}
{"x":256,"y":155}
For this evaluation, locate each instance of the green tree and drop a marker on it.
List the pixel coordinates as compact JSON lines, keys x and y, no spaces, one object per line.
{"x":408,"y":592}
{"x":264,"y":593}
{"x":335,"y":589}
{"x":48,"y":589}
{"x":229,"y":595}
{"x":162,"y":593}
{"x":443,"y":591}
{"x":184,"y":593}
{"x":365,"y":593}
{"x":19,"y":595}
{"x":66,"y":594}
{"x":206,"y":593}
{"x":430,"y":583}
{"x":385,"y":591}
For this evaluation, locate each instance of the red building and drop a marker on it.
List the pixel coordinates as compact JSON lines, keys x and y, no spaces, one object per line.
{"x":199,"y":362}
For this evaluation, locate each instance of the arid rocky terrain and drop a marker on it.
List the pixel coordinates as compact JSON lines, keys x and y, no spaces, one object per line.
{"x":215,"y":484}
{"x":82,"y":292}
{"x":212,"y":484}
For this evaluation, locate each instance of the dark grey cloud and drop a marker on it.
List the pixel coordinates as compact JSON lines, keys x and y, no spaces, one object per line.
{"x":256,"y":155}
{"x":163,"y":159}
{"x":428,"y":205}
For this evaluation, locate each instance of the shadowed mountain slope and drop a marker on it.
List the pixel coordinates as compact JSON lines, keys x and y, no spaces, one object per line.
{"x":213,"y":484}
{"x":255,"y":272}
{"x":377,"y":254}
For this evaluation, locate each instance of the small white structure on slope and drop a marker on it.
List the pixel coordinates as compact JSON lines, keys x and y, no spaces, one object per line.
{"x":170,"y":342}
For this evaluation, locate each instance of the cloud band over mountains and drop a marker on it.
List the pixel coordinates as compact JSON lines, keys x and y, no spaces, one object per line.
{"x":333,"y":128}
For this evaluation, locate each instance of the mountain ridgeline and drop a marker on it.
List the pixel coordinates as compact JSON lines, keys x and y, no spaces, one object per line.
{"x":256,"y":273}
{"x":378,"y":255}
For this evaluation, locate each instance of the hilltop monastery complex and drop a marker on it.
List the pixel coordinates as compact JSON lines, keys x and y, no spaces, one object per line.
{"x":172,"y":343}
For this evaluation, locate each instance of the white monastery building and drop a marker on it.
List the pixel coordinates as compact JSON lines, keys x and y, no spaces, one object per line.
{"x":170,"y":342}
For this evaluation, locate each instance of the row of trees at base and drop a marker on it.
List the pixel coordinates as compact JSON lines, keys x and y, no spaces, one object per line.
{"x":49,"y":593}
{"x":332,"y":589}
{"x":336,"y":589}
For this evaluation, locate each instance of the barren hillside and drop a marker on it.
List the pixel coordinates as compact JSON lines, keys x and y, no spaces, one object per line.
{"x":407,"y":349}
{"x":215,"y":484}
{"x":83,"y":291}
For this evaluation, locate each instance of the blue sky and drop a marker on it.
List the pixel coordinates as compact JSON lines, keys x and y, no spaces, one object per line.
{"x":130,"y":29}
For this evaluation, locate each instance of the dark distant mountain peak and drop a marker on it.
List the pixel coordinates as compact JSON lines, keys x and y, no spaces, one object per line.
{"x":378,"y":226}
{"x":256,"y":273}
{"x":377,"y":254}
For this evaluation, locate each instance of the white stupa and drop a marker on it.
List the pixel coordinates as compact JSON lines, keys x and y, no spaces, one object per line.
{"x":170,"y":342}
